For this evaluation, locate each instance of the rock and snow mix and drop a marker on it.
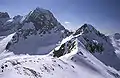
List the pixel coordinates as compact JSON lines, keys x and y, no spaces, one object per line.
{"x":45,"y":49}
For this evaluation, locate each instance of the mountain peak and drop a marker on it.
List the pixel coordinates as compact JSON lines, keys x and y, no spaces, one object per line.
{"x":38,"y":9}
{"x":38,"y":28}
{"x":41,"y":18}
{"x":4,"y":15}
{"x":86,"y":28}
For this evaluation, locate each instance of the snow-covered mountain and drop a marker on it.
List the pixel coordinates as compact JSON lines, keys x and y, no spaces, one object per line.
{"x":55,"y":52}
{"x":76,"y":63}
{"x":99,"y":45}
{"x":3,"y":18}
{"x":36,"y":33}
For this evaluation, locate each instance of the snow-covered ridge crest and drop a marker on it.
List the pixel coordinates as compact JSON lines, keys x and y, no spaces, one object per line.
{"x":5,"y":41}
{"x":3,"y":44}
{"x":67,"y":47}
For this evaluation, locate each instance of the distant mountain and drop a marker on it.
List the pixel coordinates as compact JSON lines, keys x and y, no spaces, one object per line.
{"x":36,"y":33}
{"x":117,"y":36}
{"x":3,"y":18}
{"x":115,"y":40}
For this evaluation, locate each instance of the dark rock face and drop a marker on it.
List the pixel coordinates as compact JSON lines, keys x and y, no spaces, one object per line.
{"x":42,"y":19}
{"x":16,"y":17}
{"x":92,"y":38}
{"x":65,"y":48}
{"x":3,"y":18}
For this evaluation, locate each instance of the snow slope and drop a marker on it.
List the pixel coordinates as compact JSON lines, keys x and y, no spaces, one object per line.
{"x":79,"y":63}
{"x":43,"y":67}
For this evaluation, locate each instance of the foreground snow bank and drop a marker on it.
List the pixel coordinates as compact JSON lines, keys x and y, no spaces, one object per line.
{"x":43,"y":67}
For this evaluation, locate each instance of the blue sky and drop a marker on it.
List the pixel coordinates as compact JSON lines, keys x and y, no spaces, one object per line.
{"x":102,"y":14}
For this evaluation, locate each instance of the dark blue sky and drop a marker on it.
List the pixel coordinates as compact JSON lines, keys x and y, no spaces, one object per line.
{"x":102,"y":14}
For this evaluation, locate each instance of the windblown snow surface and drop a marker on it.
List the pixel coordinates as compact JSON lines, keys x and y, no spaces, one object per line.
{"x":79,"y":63}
